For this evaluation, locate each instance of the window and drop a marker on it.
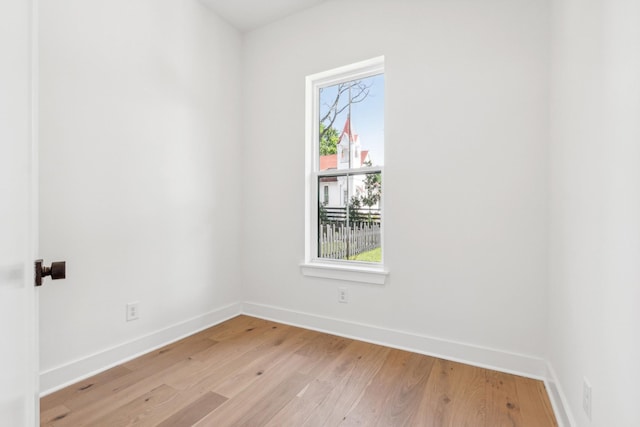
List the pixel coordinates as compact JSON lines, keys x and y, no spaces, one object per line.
{"x":345,"y":159}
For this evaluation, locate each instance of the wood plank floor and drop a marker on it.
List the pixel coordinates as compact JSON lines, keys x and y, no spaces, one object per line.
{"x":253,"y":372}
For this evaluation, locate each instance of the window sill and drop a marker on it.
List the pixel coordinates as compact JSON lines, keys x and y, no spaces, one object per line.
{"x":351,"y":273}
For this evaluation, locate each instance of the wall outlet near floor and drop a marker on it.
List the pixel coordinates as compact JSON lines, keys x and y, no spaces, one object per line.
{"x":133,"y":311}
{"x":343,"y":295}
{"x":586,"y":397}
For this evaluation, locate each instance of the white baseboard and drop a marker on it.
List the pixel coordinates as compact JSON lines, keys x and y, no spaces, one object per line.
{"x":484,"y":357}
{"x":558,"y":399}
{"x":72,"y":372}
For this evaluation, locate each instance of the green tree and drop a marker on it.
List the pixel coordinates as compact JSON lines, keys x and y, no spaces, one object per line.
{"x":324,"y":218}
{"x":329,"y":138}
{"x":354,"y":210}
{"x":373,"y":189}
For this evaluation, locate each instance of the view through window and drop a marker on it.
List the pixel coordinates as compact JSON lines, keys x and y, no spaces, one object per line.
{"x":350,"y":146}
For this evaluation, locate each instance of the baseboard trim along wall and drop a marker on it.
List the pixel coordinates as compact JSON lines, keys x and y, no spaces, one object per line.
{"x":59,"y":377}
{"x":558,"y":399}
{"x":483,"y":357}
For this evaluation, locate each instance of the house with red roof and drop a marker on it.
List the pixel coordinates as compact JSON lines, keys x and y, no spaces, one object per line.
{"x":336,"y":191}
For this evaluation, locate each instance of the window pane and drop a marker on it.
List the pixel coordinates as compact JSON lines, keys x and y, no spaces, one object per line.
{"x":351,"y":124}
{"x":349,"y":221}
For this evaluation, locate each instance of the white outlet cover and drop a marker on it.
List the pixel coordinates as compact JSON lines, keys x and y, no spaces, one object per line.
{"x":133,"y":311}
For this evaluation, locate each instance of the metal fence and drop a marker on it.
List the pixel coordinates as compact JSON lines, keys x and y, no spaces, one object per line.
{"x":339,"y":215}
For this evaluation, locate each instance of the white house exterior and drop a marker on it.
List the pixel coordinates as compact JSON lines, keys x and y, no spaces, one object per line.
{"x":335,"y":192}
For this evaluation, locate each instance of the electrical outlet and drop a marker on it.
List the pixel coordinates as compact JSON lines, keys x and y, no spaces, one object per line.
{"x":586,"y":397}
{"x":133,"y":311}
{"x":343,"y":295}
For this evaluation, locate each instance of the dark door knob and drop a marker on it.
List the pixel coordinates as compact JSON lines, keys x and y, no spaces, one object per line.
{"x":58,"y":270}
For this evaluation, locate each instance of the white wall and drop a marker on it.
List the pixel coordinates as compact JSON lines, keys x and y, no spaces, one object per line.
{"x":466,"y":117}
{"x":139,"y":130}
{"x":595,"y":206}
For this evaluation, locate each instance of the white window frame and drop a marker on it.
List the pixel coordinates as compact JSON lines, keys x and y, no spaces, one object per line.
{"x":314,"y":266}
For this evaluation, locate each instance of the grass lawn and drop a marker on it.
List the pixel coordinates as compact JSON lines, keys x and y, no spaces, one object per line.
{"x":374,"y":255}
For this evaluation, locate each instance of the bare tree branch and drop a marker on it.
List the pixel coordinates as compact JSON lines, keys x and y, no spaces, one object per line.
{"x":354,"y":91}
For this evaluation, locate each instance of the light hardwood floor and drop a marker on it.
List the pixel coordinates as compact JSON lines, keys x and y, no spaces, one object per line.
{"x":253,"y":372}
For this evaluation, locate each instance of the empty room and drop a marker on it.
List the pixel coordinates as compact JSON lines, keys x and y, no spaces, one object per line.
{"x":320,"y":212}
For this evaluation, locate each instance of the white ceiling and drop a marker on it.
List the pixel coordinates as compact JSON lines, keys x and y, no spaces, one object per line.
{"x":247,"y":15}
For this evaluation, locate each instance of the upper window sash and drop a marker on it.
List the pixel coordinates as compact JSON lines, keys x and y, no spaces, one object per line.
{"x":325,"y":79}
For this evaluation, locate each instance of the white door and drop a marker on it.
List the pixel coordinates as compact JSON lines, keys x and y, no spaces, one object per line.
{"x":18,"y":207}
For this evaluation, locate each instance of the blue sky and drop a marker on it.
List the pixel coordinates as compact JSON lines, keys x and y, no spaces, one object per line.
{"x":367,"y":117}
